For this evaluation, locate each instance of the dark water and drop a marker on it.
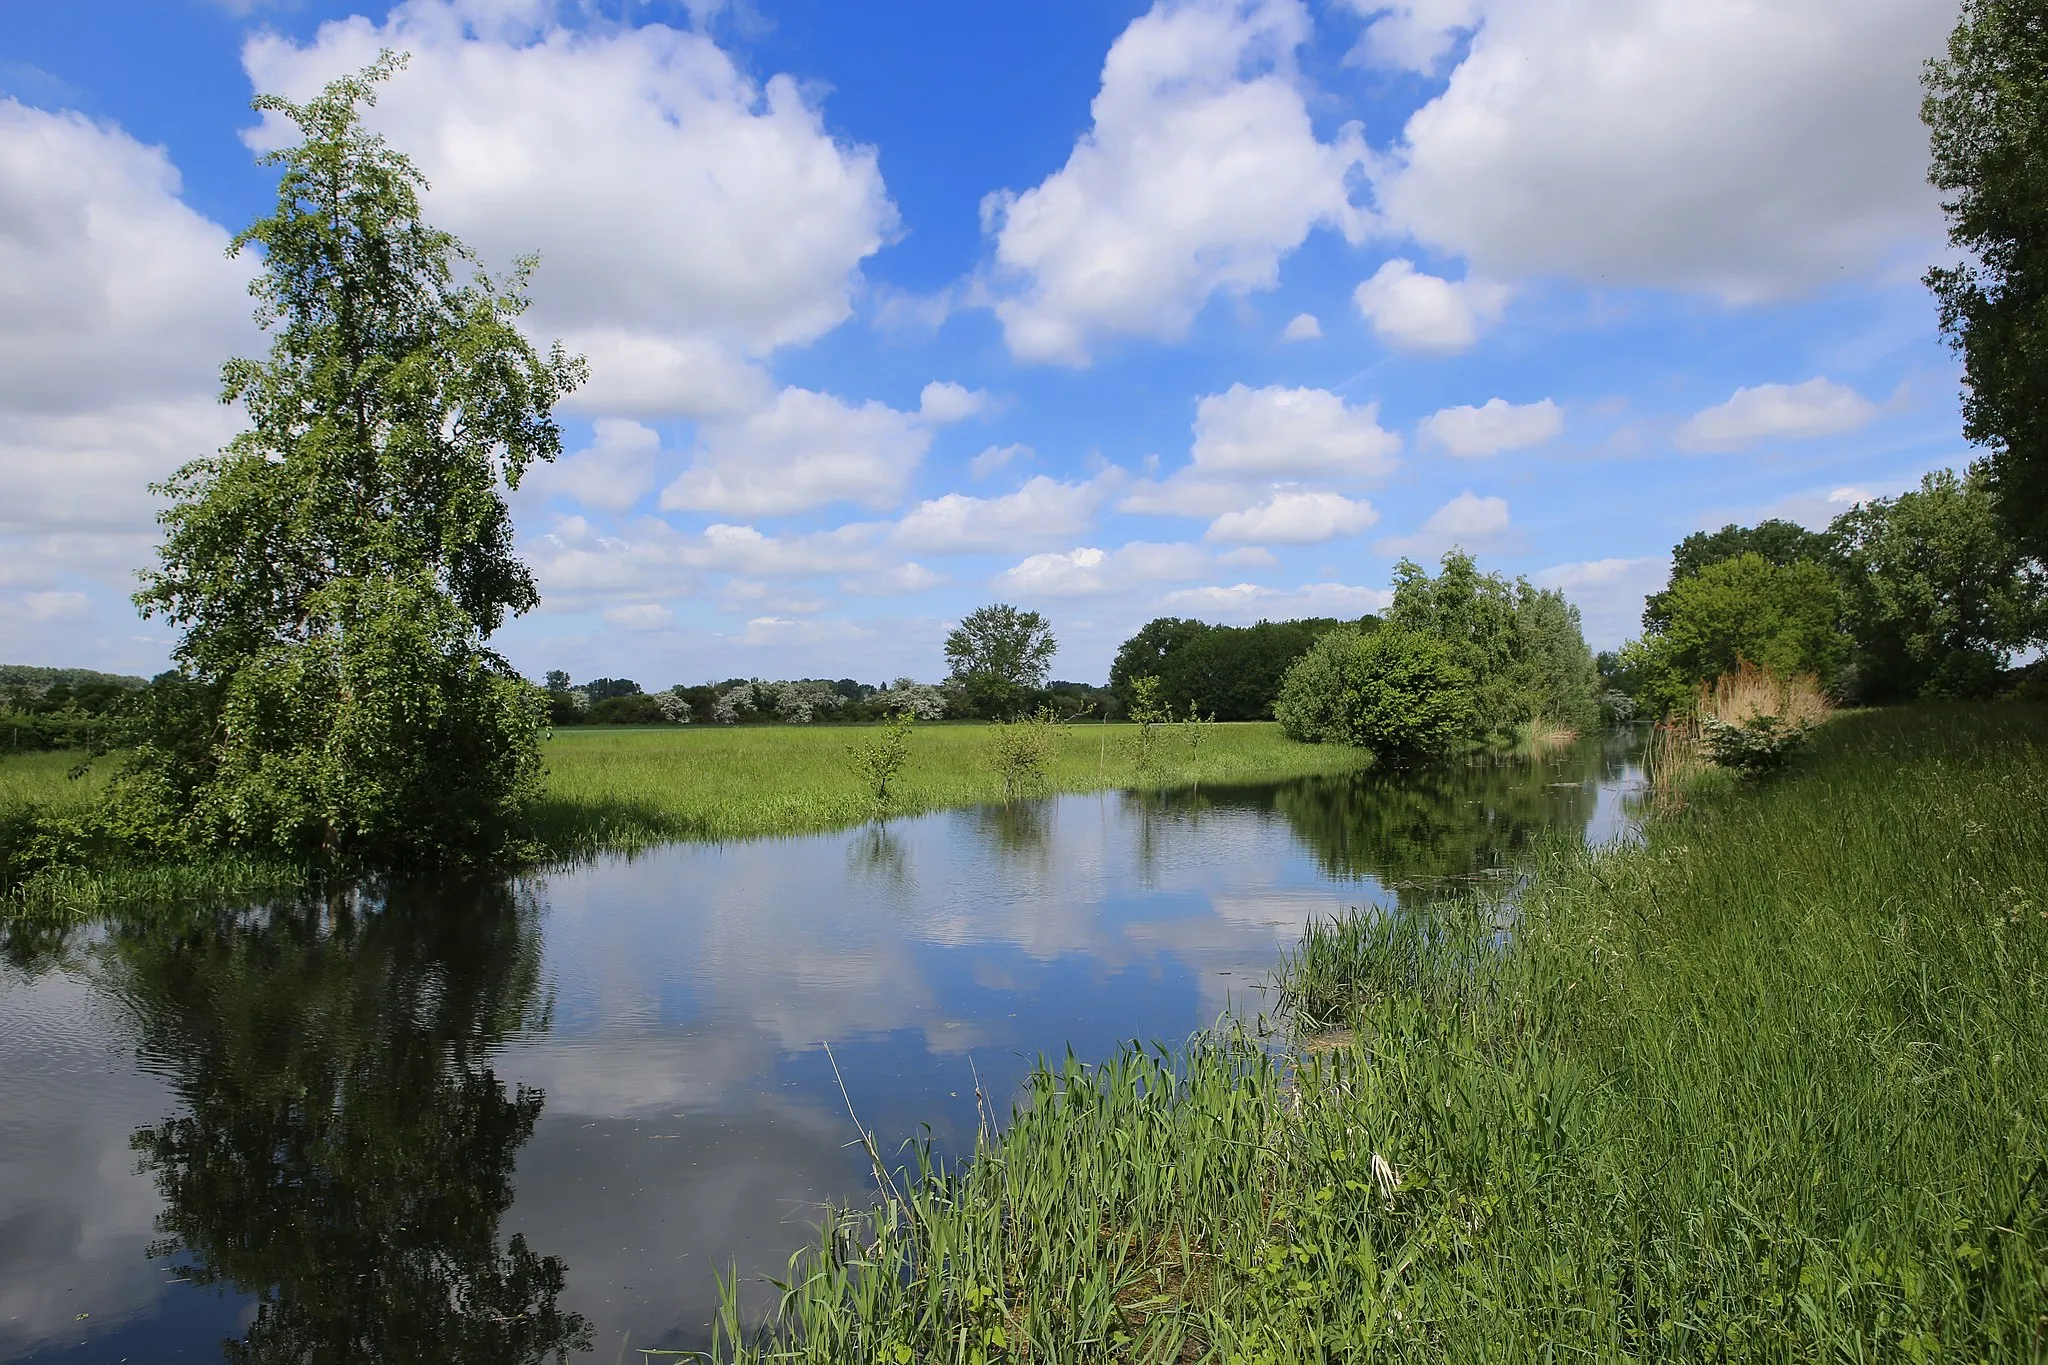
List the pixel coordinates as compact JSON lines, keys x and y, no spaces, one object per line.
{"x":487,"y":1124}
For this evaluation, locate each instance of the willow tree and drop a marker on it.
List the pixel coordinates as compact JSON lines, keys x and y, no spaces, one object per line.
{"x":338,"y":567}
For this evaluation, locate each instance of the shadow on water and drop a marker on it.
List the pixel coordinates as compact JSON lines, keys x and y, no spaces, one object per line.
{"x":344,"y":1151}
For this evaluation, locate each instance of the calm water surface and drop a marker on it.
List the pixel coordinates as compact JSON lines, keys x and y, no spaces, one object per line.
{"x":488,"y":1124}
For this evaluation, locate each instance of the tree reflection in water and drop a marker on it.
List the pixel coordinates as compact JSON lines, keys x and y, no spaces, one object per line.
{"x":346,"y":1152}
{"x":1423,"y":833}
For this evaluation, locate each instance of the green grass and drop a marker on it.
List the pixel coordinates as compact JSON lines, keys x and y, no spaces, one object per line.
{"x":624,"y":788}
{"x":1769,"y":1087}
{"x":620,"y":789}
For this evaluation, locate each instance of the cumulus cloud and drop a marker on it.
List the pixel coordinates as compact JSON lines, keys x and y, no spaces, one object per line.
{"x":1418,"y":312}
{"x":1200,"y":172}
{"x":1467,"y":522}
{"x":109,"y":284}
{"x":804,"y":450}
{"x":1609,"y":593}
{"x":901,"y":579}
{"x":743,"y":549}
{"x":1255,"y":602}
{"x":1743,"y":149}
{"x":943,"y":402}
{"x":1294,"y":519}
{"x":1044,"y":510}
{"x":1819,"y":407}
{"x":1415,"y":35}
{"x":1088,"y":571}
{"x":1302,"y":327}
{"x":1282,"y":432}
{"x":615,"y":471}
{"x":1493,"y":427}
{"x":686,"y":215}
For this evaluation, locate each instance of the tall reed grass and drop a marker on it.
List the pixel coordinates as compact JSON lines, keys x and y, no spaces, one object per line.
{"x":1766,"y":1087}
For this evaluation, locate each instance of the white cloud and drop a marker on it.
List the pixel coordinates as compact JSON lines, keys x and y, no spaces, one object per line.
{"x":1282,"y":432}
{"x":943,"y":402}
{"x":1422,"y":313}
{"x":1746,"y":149}
{"x":1302,"y":327}
{"x":1467,"y":522}
{"x":1819,"y":407}
{"x":1255,"y":602}
{"x":1609,"y":593}
{"x":1493,"y":427}
{"x":1414,"y":35}
{"x":1043,"y":510}
{"x":577,"y":565}
{"x":804,"y":450}
{"x":615,"y":472}
{"x":679,"y":207}
{"x":638,"y":616}
{"x":902,"y":579}
{"x":1294,"y":519}
{"x":1249,"y":557}
{"x":109,"y":284}
{"x":1089,"y":571}
{"x":996,"y":457}
{"x":743,"y":549}
{"x":1201,"y":171}
{"x":772,"y":631}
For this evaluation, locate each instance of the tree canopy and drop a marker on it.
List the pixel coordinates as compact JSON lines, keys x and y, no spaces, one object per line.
{"x":337,"y":568}
{"x":1986,"y":110}
{"x":1226,"y":672}
{"x":998,"y":654}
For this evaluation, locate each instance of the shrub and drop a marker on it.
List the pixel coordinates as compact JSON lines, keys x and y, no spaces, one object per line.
{"x":1394,"y":691}
{"x":1021,"y":751}
{"x":1753,"y":720}
{"x":877,"y":759}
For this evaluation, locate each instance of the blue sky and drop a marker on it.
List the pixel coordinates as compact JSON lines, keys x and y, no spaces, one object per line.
{"x":1213,"y":308}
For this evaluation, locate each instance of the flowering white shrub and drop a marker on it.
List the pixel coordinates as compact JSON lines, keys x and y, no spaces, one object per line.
{"x":734,"y":705}
{"x":674,"y":709}
{"x":921,"y":700}
{"x":800,"y":702}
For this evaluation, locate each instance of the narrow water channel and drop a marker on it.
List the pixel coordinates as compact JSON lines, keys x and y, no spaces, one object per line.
{"x":488,"y":1124}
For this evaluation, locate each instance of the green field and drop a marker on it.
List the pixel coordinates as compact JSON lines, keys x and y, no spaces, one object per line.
{"x":1768,"y":1087}
{"x":623,"y":788}
{"x":619,"y":789}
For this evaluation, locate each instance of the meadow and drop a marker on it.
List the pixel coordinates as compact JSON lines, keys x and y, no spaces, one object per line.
{"x":1767,"y":1086}
{"x":619,"y":789}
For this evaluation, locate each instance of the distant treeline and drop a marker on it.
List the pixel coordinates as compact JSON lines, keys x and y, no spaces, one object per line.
{"x":1228,"y":672}
{"x":792,"y":701}
{"x":63,"y":708}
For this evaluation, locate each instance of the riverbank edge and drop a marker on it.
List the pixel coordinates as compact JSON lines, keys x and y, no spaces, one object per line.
{"x":786,"y":782}
{"x":1757,"y":1087}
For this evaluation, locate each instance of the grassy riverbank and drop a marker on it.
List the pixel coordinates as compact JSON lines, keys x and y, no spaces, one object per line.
{"x":1766,"y":1088}
{"x":610,"y":790}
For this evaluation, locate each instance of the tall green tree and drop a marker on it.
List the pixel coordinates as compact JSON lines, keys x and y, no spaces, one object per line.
{"x":1935,"y":594}
{"x":1786,"y":618}
{"x":1783,"y":543}
{"x":337,"y":569}
{"x":1987,"y":112}
{"x":998,"y":654}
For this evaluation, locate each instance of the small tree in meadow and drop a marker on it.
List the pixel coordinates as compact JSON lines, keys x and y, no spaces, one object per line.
{"x":1023,"y":751}
{"x":878,"y":758}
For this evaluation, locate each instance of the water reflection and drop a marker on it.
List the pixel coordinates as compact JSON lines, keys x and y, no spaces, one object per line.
{"x":357,"y":1158}
{"x":344,"y":1150}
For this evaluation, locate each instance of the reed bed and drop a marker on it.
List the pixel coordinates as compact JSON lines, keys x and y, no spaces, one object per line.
{"x":1750,"y":693}
{"x":1765,"y":1087}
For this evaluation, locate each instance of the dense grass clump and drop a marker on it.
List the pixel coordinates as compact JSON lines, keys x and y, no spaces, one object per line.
{"x":1767,"y":1087}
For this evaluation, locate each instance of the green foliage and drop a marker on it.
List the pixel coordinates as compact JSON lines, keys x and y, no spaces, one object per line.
{"x":636,"y":708}
{"x":1987,"y":112}
{"x":1522,"y":647}
{"x":336,"y":569}
{"x":1394,"y":691}
{"x":877,"y":759}
{"x":1783,"y":543}
{"x":1934,"y":592}
{"x":1764,"y":1088}
{"x":1022,"y":752}
{"x":1783,"y":618}
{"x":1229,"y":672}
{"x":1755,"y":744}
{"x":997,"y":655}
{"x":1147,"y":711}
